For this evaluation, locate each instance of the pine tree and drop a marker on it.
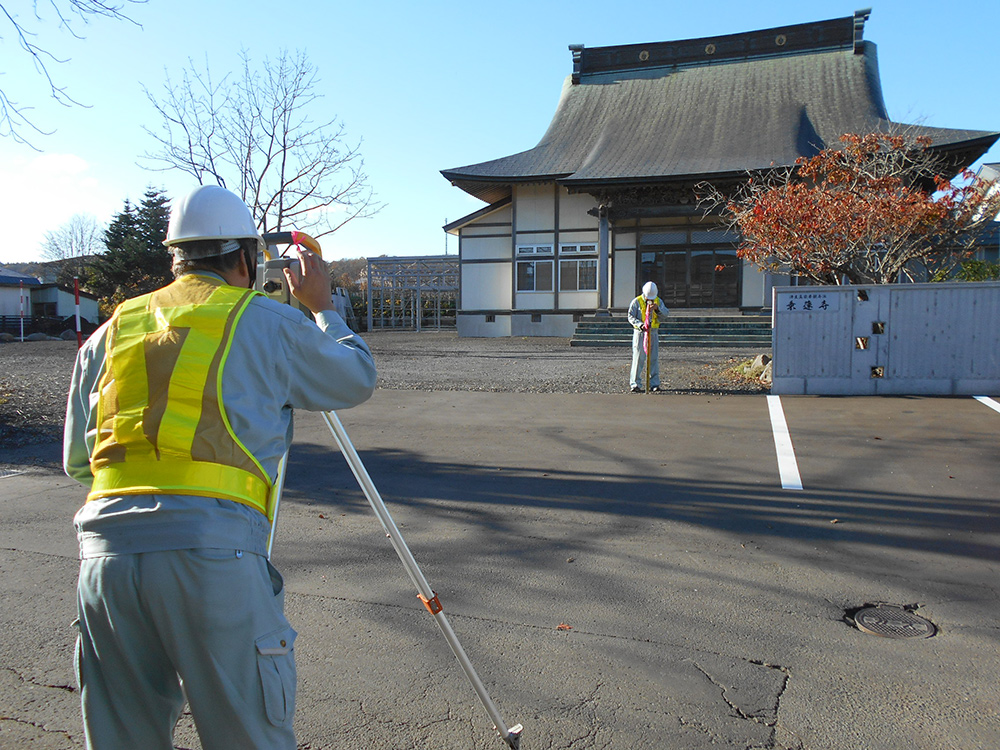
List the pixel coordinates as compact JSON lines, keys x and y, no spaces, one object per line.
{"x":136,"y":262}
{"x":152,"y":219}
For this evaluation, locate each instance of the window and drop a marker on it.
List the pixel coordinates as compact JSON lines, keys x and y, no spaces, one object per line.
{"x":523,"y":250}
{"x":714,"y":236}
{"x":577,"y":275}
{"x":588,"y":249}
{"x":534,"y":276}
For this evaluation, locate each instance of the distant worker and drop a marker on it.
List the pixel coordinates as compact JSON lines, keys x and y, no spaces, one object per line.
{"x":644,"y":314}
{"x":180,"y":409}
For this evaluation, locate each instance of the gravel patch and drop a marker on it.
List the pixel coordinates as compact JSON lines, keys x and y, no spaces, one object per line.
{"x":34,"y":376}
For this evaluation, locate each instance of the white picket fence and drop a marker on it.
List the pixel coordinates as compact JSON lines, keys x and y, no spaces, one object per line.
{"x":895,"y":339}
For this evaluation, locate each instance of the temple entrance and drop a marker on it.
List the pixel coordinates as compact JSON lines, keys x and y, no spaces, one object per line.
{"x":693,"y":266}
{"x":692,"y":278}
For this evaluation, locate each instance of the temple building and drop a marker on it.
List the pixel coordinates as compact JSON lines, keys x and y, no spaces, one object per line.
{"x":606,"y":201}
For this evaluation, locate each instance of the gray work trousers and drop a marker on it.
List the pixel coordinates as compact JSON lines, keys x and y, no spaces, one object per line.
{"x":205,"y":625}
{"x":637,"y":377}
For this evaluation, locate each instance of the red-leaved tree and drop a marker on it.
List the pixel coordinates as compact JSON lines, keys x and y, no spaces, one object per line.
{"x":874,"y":211}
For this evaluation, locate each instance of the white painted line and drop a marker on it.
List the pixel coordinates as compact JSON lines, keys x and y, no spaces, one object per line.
{"x":988,"y":401}
{"x":788,"y":469}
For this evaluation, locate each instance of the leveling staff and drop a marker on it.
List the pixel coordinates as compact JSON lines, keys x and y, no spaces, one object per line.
{"x":179,"y":412}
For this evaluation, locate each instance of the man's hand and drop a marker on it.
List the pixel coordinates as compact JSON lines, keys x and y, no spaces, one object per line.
{"x":312,"y":287}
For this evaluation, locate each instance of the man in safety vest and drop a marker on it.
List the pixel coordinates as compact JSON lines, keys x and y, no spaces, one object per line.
{"x":180,"y":409}
{"x":644,"y":314}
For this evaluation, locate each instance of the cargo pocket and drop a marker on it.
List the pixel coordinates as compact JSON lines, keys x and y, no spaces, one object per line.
{"x":276,"y":665}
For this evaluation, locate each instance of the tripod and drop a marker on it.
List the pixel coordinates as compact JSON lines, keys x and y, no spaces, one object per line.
{"x":512,"y":735}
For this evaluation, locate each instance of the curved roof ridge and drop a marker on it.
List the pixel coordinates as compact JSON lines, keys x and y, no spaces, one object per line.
{"x":702,"y":120}
{"x":835,"y":34}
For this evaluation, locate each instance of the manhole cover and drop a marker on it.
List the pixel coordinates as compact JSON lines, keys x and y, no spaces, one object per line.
{"x":893,"y":622}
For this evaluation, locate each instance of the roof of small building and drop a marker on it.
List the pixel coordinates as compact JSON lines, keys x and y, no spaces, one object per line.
{"x":715,"y":106}
{"x":10,"y":277}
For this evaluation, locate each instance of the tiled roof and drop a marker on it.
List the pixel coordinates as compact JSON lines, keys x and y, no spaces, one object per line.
{"x":679,"y":114}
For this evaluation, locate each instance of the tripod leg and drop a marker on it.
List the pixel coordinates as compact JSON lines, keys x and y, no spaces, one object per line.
{"x":274,"y":500}
{"x":511,"y":736}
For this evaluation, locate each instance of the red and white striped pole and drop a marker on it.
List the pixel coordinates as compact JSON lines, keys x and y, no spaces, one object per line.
{"x":76,"y":294}
{"x":22,"y":312}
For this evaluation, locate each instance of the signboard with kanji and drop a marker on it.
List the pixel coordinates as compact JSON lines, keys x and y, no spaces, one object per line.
{"x":807,"y":301}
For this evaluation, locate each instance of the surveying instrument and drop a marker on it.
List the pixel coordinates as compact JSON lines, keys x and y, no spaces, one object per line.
{"x":271,"y":281}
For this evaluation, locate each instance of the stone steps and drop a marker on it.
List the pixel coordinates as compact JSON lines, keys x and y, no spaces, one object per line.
{"x":690,"y":330}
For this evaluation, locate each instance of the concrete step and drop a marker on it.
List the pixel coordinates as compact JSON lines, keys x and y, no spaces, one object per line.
{"x":693,"y":330}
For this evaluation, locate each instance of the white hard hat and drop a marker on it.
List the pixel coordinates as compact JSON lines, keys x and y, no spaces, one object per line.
{"x":649,"y":290}
{"x":209,"y":212}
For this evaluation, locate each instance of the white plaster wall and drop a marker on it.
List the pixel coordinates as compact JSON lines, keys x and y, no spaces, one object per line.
{"x":573,"y":211}
{"x":486,"y":286}
{"x":491,"y":248}
{"x":754,"y":291}
{"x":578,"y":301}
{"x":535,"y":300}
{"x":623,"y":290}
{"x":535,"y":209}
{"x":536,"y":238}
{"x":575,"y":238}
{"x":625,"y":240}
{"x":500,"y":216}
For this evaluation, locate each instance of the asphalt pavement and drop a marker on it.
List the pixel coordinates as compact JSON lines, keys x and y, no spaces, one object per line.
{"x":624,"y":572}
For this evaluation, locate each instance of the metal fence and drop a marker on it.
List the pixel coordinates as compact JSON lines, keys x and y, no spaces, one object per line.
{"x":37,"y":324}
{"x":412,"y":293}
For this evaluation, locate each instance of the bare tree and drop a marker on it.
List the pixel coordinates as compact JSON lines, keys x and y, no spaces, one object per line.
{"x":252,"y":132}
{"x":14,"y":119}
{"x":71,"y":244}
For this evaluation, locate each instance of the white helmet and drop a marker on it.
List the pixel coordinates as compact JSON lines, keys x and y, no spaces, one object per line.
{"x":209,"y":212}
{"x":649,"y":290}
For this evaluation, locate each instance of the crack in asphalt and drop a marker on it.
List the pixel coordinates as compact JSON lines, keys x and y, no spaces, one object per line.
{"x":25,"y":680}
{"x":772,"y":724}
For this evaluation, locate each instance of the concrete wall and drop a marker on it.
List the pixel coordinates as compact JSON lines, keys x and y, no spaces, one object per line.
{"x":549,"y":324}
{"x":916,"y":339}
{"x":483,"y":326}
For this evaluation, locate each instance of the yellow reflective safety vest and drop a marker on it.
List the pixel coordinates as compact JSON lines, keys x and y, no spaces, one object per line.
{"x":655,"y":322}
{"x":162,"y":426}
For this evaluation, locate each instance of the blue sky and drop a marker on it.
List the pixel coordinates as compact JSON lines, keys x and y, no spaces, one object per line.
{"x":425,"y":86}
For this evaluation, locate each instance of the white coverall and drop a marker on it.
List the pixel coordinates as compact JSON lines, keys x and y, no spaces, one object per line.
{"x":637,"y":376}
{"x":176,"y":597}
